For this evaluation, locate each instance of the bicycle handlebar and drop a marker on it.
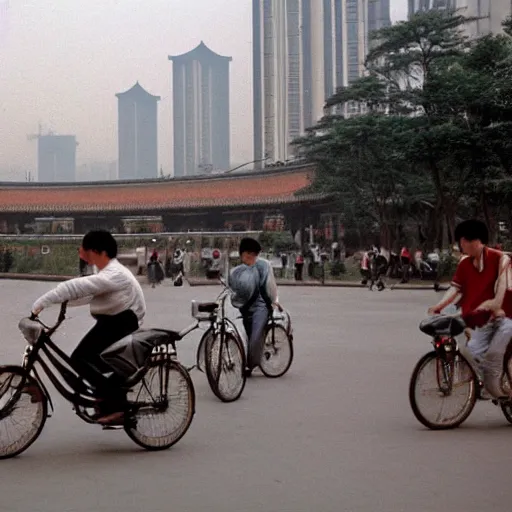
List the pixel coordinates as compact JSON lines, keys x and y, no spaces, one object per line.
{"x":60,"y":319}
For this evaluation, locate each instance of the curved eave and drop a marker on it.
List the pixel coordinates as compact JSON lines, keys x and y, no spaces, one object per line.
{"x":169,"y":207}
{"x":137,"y":91}
{"x":201,"y":50}
{"x":152,"y":181}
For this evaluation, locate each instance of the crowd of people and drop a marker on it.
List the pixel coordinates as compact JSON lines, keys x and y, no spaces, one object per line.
{"x":378,"y":262}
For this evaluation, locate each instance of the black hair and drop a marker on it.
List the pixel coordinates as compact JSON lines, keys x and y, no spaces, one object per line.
{"x":472,"y":230}
{"x":100,"y":241}
{"x":249,"y":245}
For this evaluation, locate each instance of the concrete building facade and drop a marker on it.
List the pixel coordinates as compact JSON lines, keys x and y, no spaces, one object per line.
{"x":56,"y":158}
{"x":302,"y":51}
{"x":201,"y":128}
{"x":137,"y":134}
{"x":491,"y":13}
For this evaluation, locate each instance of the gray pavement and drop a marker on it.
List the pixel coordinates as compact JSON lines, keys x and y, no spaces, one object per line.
{"x":336,"y":434}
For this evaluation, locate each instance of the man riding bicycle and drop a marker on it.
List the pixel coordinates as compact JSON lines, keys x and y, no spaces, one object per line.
{"x":480,"y":284}
{"x":118,"y":306}
{"x":255,"y":294}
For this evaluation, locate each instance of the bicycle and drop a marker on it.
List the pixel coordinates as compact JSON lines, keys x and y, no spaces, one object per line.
{"x":156,"y":386}
{"x":278,"y":339}
{"x":220,"y":353}
{"x":454,"y":377}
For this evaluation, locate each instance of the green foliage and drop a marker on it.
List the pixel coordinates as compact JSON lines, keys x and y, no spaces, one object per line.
{"x":432,"y":138}
{"x":337,"y":268}
{"x":277,"y":241}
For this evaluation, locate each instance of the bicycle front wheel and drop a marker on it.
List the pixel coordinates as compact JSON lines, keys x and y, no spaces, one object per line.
{"x":277,"y":353}
{"x":23,"y":411}
{"x":163,"y":405}
{"x":201,"y":349}
{"x":442,"y":394}
{"x":225,"y":366}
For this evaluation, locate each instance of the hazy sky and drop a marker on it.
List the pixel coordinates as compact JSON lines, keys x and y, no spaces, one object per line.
{"x":63,"y":61}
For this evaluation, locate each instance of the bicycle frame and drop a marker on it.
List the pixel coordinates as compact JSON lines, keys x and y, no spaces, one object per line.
{"x":60,"y":374}
{"x":60,"y":369}
{"x":219,"y":322}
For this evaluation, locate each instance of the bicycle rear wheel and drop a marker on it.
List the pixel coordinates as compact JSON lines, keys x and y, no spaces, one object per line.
{"x":277,"y":353}
{"x":23,"y":411}
{"x":506,"y":407}
{"x":163,"y":405}
{"x":442,"y":394}
{"x":225,"y":366}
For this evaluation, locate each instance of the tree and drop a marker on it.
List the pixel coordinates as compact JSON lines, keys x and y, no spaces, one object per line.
{"x":432,"y":140}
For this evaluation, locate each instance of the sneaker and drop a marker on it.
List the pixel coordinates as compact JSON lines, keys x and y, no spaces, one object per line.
{"x":482,"y":393}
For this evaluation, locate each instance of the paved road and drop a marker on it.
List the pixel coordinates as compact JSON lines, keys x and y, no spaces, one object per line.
{"x":336,"y":434}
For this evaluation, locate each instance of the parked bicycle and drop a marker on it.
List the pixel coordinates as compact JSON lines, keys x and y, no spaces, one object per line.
{"x":444,"y":385}
{"x":160,"y":397}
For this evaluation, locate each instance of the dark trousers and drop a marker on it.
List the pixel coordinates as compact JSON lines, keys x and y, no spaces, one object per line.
{"x":255,"y":322}
{"x":405,"y":262}
{"x":86,"y":358}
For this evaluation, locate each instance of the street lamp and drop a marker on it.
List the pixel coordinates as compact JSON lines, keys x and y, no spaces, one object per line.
{"x":247,"y":163}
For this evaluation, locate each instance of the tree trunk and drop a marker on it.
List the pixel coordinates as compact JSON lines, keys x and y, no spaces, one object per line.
{"x":450,"y":223}
{"x":488,"y":217}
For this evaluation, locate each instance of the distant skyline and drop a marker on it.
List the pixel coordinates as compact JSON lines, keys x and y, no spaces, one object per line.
{"x":62,"y":62}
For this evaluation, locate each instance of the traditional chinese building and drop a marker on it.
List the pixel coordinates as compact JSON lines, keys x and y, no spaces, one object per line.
{"x":277,"y":199}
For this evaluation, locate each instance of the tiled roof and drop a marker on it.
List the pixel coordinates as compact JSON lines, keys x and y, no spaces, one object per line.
{"x":269,"y":188}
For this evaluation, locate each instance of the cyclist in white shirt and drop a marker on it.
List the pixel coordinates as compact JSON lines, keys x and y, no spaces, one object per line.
{"x":117,"y":304}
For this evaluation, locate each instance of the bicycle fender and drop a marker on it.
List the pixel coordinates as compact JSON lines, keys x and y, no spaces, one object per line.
{"x":35,"y":376}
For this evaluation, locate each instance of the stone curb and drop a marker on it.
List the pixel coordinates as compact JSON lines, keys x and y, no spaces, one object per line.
{"x":328,"y":284}
{"x":208,"y":282}
{"x":40,"y":277}
{"x":33,"y":277}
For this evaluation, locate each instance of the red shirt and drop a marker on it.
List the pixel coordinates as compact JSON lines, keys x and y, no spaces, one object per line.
{"x":478,"y":285}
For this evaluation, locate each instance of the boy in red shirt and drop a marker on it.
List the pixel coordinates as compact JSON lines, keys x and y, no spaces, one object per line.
{"x":480,"y":283}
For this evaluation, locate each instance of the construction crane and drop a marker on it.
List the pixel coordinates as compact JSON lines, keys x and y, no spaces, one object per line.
{"x":33,"y":136}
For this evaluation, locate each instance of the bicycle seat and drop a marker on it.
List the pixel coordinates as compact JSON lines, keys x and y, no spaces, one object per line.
{"x":442,"y":326}
{"x":207,"y":307}
{"x":160,"y":336}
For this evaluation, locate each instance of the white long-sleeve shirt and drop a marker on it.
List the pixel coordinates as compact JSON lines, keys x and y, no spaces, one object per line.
{"x":111,"y":291}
